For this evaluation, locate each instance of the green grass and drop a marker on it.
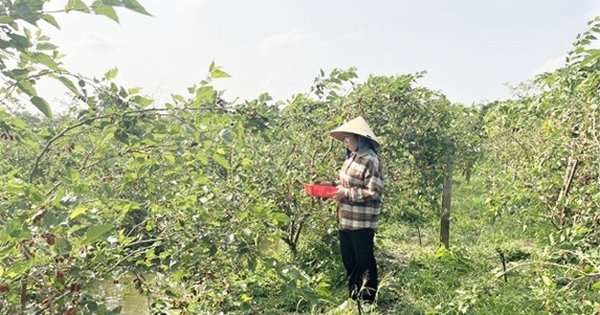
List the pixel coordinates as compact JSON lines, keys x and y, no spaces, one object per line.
{"x":424,"y":279}
{"x":418,"y":278}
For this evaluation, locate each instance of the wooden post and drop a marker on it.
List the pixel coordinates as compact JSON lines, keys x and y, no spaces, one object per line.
{"x":468,"y":172}
{"x":446,"y":203}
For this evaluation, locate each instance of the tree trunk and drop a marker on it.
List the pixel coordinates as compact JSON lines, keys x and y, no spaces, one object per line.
{"x":446,"y":203}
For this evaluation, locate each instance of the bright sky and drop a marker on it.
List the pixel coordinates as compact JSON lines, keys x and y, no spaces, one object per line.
{"x":469,"y":48}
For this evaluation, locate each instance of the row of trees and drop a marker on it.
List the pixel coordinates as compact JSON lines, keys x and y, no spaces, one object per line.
{"x":125,"y":190}
{"x":183,"y":201}
{"x":543,"y":160}
{"x":191,"y":191}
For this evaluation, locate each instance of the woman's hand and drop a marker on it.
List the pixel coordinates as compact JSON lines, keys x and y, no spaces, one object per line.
{"x":342,"y":193}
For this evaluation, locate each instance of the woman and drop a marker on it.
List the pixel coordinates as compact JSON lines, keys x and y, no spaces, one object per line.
{"x":360,"y":188}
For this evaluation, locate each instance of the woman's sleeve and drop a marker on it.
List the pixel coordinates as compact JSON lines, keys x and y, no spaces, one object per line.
{"x":373,"y":179}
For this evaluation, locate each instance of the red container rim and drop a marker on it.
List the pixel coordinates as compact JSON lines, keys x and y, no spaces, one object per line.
{"x":320,"y":190}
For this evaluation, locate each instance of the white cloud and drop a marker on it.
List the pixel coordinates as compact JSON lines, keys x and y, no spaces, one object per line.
{"x":358,"y":34}
{"x":549,"y":66}
{"x":354,"y":35}
{"x":186,"y":4}
{"x":292,"y":40}
{"x":92,"y":42}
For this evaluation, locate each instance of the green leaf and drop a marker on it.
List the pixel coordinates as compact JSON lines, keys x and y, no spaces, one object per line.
{"x":69,"y":84}
{"x":111,"y":74}
{"x":216,"y":72}
{"x":200,"y":156}
{"x":107,"y":11}
{"x":247,"y":163}
{"x":72,"y":176}
{"x":50,"y":20}
{"x":113,"y":3}
{"x":547,"y":281}
{"x":79,"y":210}
{"x":178,"y":98}
{"x":18,"y":268}
{"x":4,"y":44}
{"x":16,"y":186}
{"x":95,"y":233}
{"x":128,"y":206}
{"x":60,"y":194}
{"x":18,"y":123}
{"x":280,"y":217}
{"x":26,"y":87}
{"x":46,"y":46}
{"x":31,"y":144}
{"x":45,"y":60}
{"x":246,"y":298}
{"x":42,"y":105}
{"x":169,"y":157}
{"x":27,"y":10}
{"x":205,"y":93}
{"x":1,"y":271}
{"x":220,"y":74}
{"x":76,"y":5}
{"x":4,"y":19}
{"x":142,"y":101}
{"x":135,"y":6}
{"x":238,"y":131}
{"x":221,"y":160}
{"x":20,"y":42}
{"x":18,"y":74}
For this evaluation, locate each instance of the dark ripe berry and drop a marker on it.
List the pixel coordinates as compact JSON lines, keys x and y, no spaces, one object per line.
{"x":50,"y":238}
{"x":4,"y":288}
{"x":59,"y":274}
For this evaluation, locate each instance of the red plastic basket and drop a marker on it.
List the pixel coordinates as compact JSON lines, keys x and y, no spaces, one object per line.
{"x":320,"y":190}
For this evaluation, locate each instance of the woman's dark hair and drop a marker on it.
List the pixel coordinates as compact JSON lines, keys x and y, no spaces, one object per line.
{"x":363,"y":143}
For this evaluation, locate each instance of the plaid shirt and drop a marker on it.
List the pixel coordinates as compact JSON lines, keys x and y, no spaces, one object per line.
{"x":362,"y":175}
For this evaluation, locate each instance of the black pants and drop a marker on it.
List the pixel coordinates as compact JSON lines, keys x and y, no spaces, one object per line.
{"x":359,"y":261}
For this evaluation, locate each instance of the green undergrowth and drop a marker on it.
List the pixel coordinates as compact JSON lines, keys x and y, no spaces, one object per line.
{"x":425,"y":278}
{"x":418,"y":276}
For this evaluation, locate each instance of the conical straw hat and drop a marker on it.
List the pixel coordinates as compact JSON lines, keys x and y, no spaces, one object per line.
{"x":356,"y":126}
